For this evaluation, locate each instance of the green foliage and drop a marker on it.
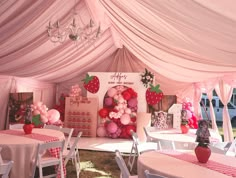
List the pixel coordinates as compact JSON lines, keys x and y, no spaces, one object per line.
{"x":36,"y":120}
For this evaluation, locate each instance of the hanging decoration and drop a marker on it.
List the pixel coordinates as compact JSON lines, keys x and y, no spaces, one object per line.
{"x":153,"y":94}
{"x":147,"y":78}
{"x":91,"y":83}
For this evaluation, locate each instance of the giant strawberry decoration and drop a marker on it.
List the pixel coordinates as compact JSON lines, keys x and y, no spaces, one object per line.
{"x":153,"y":94}
{"x":91,"y":83}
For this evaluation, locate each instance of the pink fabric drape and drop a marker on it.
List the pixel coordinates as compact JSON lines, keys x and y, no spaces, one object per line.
{"x":212,"y":113}
{"x":224,"y":91}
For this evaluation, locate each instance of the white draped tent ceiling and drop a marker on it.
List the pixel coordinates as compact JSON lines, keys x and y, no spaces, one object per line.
{"x":190,"y":45}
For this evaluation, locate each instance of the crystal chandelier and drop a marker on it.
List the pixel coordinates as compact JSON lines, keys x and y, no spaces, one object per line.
{"x":85,"y":34}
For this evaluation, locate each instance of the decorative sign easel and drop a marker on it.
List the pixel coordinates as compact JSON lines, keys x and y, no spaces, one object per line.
{"x":111,"y":79}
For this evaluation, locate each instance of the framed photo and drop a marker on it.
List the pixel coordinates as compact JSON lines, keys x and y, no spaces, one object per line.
{"x":17,"y":105}
{"x":162,"y":120}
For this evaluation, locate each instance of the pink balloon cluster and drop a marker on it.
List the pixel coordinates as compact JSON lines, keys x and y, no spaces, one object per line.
{"x":192,"y":119}
{"x":46,"y":116}
{"x":75,"y":90}
{"x":119,"y":111}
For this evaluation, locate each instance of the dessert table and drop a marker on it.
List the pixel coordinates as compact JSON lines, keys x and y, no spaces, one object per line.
{"x":21,"y":148}
{"x":176,"y":135}
{"x":184,"y":164}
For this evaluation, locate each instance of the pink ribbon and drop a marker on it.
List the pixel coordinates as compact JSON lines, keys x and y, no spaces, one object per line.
{"x":213,"y":165}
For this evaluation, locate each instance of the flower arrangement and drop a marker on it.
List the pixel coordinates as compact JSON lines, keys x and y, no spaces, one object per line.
{"x":202,"y":151}
{"x":118,"y":114}
{"x":203,"y":134}
{"x":147,"y":78}
{"x":184,"y":119}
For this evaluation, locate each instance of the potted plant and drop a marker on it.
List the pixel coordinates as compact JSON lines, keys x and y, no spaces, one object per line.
{"x":28,"y":126}
{"x":184,"y":122}
{"x":202,"y":150}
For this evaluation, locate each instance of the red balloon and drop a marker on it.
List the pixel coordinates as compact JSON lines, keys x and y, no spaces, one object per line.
{"x":103,"y":113}
{"x":126,"y":95}
{"x":129,"y":128}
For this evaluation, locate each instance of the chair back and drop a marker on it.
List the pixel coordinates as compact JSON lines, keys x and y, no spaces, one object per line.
{"x":5,"y":169}
{"x":68,"y":133}
{"x":232,"y":149}
{"x":148,"y":138}
{"x":54,"y":127}
{"x":165,"y":144}
{"x":135,"y":137}
{"x":74,"y":151}
{"x":42,"y":161}
{"x":181,"y":145}
{"x":5,"y":166}
{"x":121,"y":164}
{"x":151,"y":175}
{"x":16,"y":126}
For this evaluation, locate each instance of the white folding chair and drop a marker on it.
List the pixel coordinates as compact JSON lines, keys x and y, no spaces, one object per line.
{"x":5,"y":166}
{"x":68,"y":133}
{"x":151,"y":175}
{"x":165,"y":144}
{"x":146,"y":130}
{"x":219,"y":147}
{"x":138,"y":148}
{"x":54,"y":127}
{"x":231,"y":151}
{"x":181,"y":145}
{"x":16,"y":126}
{"x":45,"y":159}
{"x":73,"y":154}
{"x":123,"y":168}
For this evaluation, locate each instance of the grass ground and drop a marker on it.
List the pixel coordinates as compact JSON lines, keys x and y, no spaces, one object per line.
{"x":97,"y":164}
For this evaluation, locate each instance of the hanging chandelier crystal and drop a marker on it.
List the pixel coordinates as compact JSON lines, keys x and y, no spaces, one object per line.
{"x":85,"y":34}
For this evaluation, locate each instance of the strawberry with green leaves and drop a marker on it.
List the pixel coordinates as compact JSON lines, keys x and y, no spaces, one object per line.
{"x":91,"y":83}
{"x":153,"y":94}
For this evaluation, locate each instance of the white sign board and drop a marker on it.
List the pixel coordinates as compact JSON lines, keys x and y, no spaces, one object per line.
{"x":111,"y":79}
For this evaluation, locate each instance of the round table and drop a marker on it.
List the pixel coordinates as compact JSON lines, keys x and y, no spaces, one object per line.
{"x":161,"y":163}
{"x":176,"y":135}
{"x":21,"y":148}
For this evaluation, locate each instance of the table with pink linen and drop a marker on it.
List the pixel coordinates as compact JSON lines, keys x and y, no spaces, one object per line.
{"x":21,"y":148}
{"x":176,"y":135}
{"x":184,"y":164}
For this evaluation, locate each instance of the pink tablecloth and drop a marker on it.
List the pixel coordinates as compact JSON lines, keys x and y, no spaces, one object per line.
{"x":180,"y":165}
{"x":22,"y":148}
{"x":176,"y":135}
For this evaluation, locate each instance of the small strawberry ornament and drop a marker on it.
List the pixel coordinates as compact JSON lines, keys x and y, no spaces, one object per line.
{"x":91,"y":83}
{"x":153,"y":94}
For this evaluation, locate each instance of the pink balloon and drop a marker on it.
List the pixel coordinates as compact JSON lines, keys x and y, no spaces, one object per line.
{"x":111,"y":92}
{"x":101,"y":131}
{"x":133,"y":102}
{"x":53,"y":115}
{"x":125,"y":119}
{"x":112,"y":127}
{"x":189,"y":114}
{"x":108,"y":101}
{"x":43,"y":118}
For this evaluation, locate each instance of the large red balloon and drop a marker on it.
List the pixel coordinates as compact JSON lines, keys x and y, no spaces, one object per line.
{"x":103,"y":113}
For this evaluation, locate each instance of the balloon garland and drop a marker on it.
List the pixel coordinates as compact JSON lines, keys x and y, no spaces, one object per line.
{"x":119,"y":112}
{"x":51,"y":116}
